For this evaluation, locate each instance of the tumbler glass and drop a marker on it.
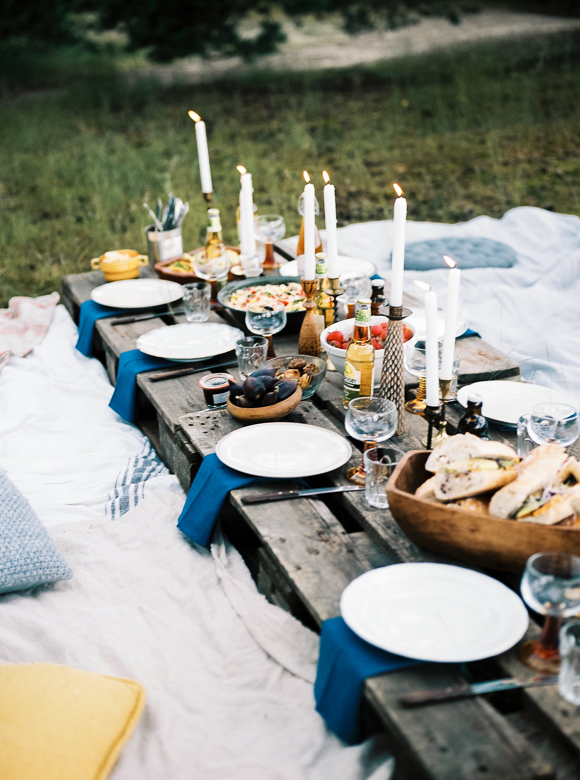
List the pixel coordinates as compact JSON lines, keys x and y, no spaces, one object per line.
{"x":525,"y":443}
{"x":569,"y":676}
{"x":380,"y":462}
{"x":196,"y":301}
{"x":251,"y":354}
{"x":452,"y":393}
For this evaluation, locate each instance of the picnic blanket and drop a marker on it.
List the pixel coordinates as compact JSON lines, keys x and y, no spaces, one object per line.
{"x":24,"y":324}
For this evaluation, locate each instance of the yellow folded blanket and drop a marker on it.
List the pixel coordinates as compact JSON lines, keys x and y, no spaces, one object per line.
{"x":58,"y":723}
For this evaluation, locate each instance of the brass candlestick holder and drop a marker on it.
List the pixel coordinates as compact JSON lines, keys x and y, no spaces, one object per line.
{"x":207,"y":197}
{"x":444,"y":388}
{"x":334,"y":291}
{"x":393,"y":374}
{"x":433,"y":416}
{"x":309,"y":340}
{"x":417,"y":405}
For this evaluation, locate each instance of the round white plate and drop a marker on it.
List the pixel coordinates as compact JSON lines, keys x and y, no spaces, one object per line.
{"x":283,"y":450}
{"x":434,"y":612}
{"x":505,"y":402}
{"x":137,"y":293}
{"x":345,"y":265}
{"x":417,"y":320}
{"x":189,"y":341}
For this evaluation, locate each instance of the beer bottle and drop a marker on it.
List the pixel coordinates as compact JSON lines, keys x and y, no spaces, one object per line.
{"x":359,"y":367}
{"x":473,"y":420}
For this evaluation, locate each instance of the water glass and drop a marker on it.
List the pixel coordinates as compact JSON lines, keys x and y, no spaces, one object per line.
{"x":379,"y":463}
{"x":370,"y":420}
{"x":452,"y":392}
{"x":196,"y":299}
{"x":525,"y":444}
{"x":251,"y":353}
{"x":569,"y":675}
{"x":554,"y":422}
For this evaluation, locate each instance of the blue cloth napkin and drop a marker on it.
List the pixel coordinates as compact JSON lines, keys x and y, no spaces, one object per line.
{"x":131,"y":363}
{"x":90,"y":313}
{"x":344,"y":663}
{"x":468,"y":333}
{"x":206,"y":496}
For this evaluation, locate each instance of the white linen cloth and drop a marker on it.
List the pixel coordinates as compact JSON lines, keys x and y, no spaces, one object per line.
{"x":24,"y":324}
{"x":530,"y":311}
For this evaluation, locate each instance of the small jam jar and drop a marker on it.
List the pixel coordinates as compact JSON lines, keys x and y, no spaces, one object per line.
{"x":216,"y":389}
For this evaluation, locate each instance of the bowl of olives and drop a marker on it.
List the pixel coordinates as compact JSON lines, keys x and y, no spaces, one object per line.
{"x":263,"y":397}
{"x":307,"y":371}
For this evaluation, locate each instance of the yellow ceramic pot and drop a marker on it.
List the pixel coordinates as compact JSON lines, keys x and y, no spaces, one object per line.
{"x":119,"y":264}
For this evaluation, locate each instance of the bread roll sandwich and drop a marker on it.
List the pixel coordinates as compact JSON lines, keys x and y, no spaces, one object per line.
{"x":546,"y":491}
{"x":488,"y":466}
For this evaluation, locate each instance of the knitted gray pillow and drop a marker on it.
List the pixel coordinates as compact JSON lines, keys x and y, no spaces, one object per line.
{"x":467,"y":252}
{"x":28,"y":556}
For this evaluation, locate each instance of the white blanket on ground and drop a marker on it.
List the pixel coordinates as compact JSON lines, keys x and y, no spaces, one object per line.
{"x":144,"y":604}
{"x":531,"y":311}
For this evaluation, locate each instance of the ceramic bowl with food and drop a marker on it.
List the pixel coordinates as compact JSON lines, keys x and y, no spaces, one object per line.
{"x":236,"y":296}
{"x":307,"y":371}
{"x":346,"y":329}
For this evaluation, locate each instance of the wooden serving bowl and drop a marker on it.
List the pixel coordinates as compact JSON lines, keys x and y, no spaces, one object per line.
{"x":267,"y":413}
{"x":472,"y":537}
{"x":161,"y":269}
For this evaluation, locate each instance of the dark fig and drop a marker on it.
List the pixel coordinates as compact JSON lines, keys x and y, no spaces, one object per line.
{"x":242,"y":401}
{"x":235,"y":390}
{"x":264,"y":372}
{"x":269,"y":399}
{"x":254,"y":388}
{"x":269,"y":382}
{"x":285,"y":390}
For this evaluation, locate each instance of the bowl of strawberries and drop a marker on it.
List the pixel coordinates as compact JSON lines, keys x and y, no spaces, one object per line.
{"x":336,"y":338}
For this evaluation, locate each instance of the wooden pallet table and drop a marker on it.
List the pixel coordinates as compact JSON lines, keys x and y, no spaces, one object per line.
{"x":305,"y":552}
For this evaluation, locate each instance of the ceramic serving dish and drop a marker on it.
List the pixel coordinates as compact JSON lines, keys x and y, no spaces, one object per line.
{"x":119,"y":264}
{"x":294,"y":318}
{"x":266,"y":413}
{"x":473,"y":537}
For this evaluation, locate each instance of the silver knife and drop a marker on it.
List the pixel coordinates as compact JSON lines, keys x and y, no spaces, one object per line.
{"x":417,"y":698}
{"x":282,"y":495}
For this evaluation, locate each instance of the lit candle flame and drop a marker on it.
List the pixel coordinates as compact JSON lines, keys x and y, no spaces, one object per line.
{"x":398,"y":190}
{"x":325,"y":176}
{"x":451,"y":263}
{"x":422,"y":285}
{"x":306,"y":177}
{"x":241,"y":169}
{"x":194,"y":116}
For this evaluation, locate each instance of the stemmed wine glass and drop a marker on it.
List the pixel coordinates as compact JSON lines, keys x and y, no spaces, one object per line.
{"x":370,"y":420}
{"x":551,"y":587}
{"x":265,"y":319}
{"x":270,"y":228}
{"x":554,"y":422}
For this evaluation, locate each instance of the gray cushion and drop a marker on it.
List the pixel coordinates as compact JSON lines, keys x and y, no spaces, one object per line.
{"x":467,"y":253}
{"x":28,"y":556}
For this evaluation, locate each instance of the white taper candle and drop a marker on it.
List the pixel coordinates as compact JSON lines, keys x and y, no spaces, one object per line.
{"x":398,"y":261}
{"x":331,"y":234}
{"x":450,"y":323}
{"x":309,"y":229}
{"x":431,"y":349}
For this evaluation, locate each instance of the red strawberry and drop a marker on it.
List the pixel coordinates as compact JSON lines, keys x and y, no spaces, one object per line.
{"x":336,"y":343}
{"x":376,"y":344}
{"x":407,"y":333}
{"x":376,"y":330}
{"x":335,"y":335}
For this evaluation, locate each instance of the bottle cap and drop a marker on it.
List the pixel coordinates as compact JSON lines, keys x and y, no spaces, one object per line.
{"x":363,"y":302}
{"x":378,"y":282}
{"x":321,"y":256}
{"x":474,"y":398}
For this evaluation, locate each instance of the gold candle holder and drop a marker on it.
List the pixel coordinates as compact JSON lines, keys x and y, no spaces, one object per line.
{"x":309,"y":339}
{"x":444,"y":388}
{"x":393,"y":374}
{"x":334,"y":291}
{"x":207,"y":198}
{"x":417,"y":405}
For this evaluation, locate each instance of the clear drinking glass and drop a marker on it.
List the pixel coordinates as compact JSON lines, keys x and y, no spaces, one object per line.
{"x":196,"y":301}
{"x":379,"y":463}
{"x":554,"y":422}
{"x":452,"y":392}
{"x":551,"y":587}
{"x":415,"y":363}
{"x":355,"y":286}
{"x":266,"y":319}
{"x":270,"y":228}
{"x":525,"y":444}
{"x":569,"y":677}
{"x":212,"y":268}
{"x":251,"y":353}
{"x":370,"y":420}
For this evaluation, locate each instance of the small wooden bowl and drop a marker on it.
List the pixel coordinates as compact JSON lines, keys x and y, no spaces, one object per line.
{"x":473,"y":537}
{"x":267,"y":413}
{"x":182,"y":278}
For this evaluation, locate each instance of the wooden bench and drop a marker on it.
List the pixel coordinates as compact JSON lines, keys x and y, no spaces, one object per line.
{"x":303,"y":554}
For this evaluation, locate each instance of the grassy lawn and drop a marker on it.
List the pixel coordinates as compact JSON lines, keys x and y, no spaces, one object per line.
{"x":475,"y":132}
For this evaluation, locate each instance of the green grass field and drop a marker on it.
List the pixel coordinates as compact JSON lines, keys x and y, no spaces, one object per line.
{"x":476,"y":132}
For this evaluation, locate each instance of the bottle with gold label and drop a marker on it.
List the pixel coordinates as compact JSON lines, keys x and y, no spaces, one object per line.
{"x":324,"y":303}
{"x":359,"y":367}
{"x":213,"y":263}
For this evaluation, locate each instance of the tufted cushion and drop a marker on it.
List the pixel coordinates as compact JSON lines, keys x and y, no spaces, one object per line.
{"x":467,"y":253}
{"x":28,"y":556}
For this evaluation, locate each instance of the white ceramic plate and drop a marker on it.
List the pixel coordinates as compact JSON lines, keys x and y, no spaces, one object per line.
{"x":189,"y":341}
{"x":137,"y":293}
{"x":505,"y":402}
{"x":417,"y":320}
{"x":434,"y":612}
{"x":283,"y":450}
{"x":345,"y":265}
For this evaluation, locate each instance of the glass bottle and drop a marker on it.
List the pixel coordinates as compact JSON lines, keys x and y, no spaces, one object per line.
{"x":214,"y":246}
{"x":378,"y":297}
{"x":359,"y":367}
{"x":473,"y":420}
{"x":324,"y":303}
